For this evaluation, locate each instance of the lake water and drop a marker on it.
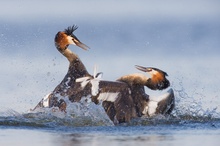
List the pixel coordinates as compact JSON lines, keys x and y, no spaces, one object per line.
{"x":98,"y":136}
{"x":181,"y":38}
{"x":35,"y":129}
{"x":94,"y":128}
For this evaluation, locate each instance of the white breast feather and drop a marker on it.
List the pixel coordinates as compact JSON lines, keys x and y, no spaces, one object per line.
{"x":152,"y":106}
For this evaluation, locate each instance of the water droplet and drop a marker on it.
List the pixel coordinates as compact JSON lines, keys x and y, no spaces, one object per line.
{"x":48,"y":73}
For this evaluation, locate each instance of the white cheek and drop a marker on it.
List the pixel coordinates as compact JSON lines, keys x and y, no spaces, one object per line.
{"x":70,"y":40}
{"x":153,"y":72}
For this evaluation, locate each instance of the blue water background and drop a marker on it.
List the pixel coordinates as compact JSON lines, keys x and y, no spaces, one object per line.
{"x":179,"y":37}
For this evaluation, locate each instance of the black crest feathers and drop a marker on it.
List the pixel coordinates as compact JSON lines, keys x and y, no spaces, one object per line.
{"x":165,"y":74}
{"x":70,"y":30}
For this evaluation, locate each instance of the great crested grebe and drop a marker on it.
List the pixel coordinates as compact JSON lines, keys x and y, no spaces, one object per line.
{"x":76,"y":68}
{"x":122,"y":99}
{"x":157,"y":81}
{"x":125,"y":98}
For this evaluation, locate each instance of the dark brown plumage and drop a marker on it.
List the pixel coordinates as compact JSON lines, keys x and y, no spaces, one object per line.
{"x":76,"y":68}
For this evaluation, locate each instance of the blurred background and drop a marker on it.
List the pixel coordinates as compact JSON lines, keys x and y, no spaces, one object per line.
{"x":179,"y":37}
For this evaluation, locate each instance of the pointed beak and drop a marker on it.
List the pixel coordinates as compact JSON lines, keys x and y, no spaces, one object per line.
{"x":144,"y":69}
{"x":79,"y":44}
{"x":74,"y":40}
{"x":141,"y":68}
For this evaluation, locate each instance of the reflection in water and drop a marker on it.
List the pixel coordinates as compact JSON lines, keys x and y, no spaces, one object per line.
{"x":176,"y":138}
{"x":194,"y":133}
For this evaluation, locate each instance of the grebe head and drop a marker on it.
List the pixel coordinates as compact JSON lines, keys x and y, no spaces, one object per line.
{"x":151,"y":70}
{"x":64,"y":38}
{"x":158,"y":77}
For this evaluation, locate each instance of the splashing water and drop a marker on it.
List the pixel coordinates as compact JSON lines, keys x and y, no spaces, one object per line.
{"x":83,"y":113}
{"x":86,"y":113}
{"x":192,"y":108}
